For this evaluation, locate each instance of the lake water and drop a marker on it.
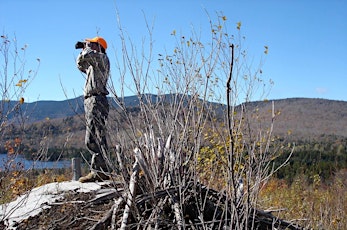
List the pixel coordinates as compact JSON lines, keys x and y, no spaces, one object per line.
{"x":19,"y":161}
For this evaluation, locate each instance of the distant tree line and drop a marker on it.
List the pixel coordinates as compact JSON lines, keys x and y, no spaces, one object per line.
{"x":56,"y":154}
{"x":314,"y":158}
{"x":322,"y":156}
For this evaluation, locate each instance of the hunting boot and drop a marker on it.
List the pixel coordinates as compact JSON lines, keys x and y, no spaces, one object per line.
{"x":93,"y":177}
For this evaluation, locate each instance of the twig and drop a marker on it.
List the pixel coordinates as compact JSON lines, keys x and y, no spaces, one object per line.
{"x":177,"y":212}
{"x":115,"y":210}
{"x":67,"y":202}
{"x":122,"y":169}
{"x":105,"y":196}
{"x":131,"y":193}
{"x":105,"y":221}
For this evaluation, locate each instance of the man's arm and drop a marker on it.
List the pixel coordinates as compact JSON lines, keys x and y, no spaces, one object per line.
{"x":86,"y":58}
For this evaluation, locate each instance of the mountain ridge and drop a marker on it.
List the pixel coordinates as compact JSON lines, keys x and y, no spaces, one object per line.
{"x":73,"y":106}
{"x":304,"y":117}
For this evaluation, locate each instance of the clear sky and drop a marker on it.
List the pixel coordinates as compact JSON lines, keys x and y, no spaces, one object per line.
{"x":307,"y":40}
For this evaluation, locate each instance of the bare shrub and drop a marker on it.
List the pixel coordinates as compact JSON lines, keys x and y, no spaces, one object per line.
{"x":194,"y":132}
{"x":14,"y":80}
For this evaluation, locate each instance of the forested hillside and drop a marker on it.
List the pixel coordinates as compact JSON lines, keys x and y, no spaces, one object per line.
{"x":317,"y":127}
{"x":305,"y":118}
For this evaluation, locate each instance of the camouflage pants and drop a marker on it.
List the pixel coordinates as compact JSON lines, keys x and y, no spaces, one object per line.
{"x":96,"y":112}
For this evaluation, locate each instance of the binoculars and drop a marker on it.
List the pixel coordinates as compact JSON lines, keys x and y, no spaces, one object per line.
{"x":80,"y":45}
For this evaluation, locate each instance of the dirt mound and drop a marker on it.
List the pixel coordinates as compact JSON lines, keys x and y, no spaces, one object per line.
{"x":101,"y":208}
{"x":74,"y":211}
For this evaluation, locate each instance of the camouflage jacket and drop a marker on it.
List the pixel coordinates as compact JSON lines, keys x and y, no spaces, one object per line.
{"x":96,"y":66}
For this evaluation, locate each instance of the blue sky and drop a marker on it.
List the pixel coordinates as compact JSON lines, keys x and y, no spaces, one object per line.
{"x":307,"y":40}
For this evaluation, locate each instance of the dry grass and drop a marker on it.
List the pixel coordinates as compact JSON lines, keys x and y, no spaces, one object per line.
{"x":16,"y":183}
{"x":317,"y":205}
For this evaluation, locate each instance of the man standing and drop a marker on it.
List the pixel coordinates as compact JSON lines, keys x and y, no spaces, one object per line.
{"x":94,"y":62}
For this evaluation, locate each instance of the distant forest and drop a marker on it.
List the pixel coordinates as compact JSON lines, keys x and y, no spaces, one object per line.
{"x":315,"y":127}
